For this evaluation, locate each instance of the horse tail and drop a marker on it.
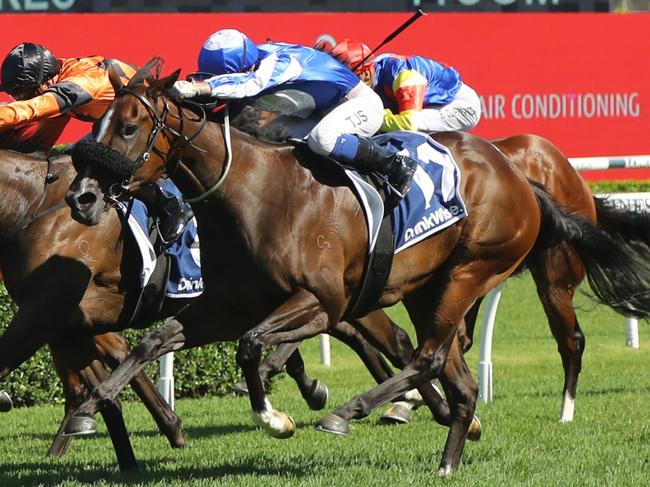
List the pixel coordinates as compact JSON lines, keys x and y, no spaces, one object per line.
{"x":618,"y":274}
{"x":625,"y":226}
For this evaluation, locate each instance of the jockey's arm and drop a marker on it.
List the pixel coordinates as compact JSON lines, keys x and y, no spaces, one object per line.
{"x":409,"y":88}
{"x":272,"y":71}
{"x":58,"y":99}
{"x":21,"y":112}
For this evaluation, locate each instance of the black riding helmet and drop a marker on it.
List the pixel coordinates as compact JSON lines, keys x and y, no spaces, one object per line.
{"x":27,"y":65}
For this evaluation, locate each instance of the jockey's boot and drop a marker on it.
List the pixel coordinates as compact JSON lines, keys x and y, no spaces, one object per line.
{"x":173,"y":215}
{"x":398,"y":168}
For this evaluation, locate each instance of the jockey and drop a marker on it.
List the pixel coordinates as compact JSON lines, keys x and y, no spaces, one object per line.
{"x":418,"y":93}
{"x":298,"y":81}
{"x":48,"y":92}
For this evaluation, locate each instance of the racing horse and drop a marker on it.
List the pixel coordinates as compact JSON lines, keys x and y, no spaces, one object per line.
{"x":556,"y":271}
{"x":277,"y":270}
{"x":69,"y":281}
{"x":72,"y":282}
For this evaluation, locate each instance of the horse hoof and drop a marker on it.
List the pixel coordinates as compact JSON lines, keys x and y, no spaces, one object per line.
{"x":80,"y":426}
{"x":276,"y":423}
{"x":287,"y":430}
{"x":5,"y":402}
{"x":331,"y":423}
{"x":475,"y":430}
{"x":317,"y":396}
{"x":240,"y":388}
{"x":445,"y":471}
{"x":397,"y":413}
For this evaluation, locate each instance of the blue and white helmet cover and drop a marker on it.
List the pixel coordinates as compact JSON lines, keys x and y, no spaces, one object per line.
{"x":227,"y":51}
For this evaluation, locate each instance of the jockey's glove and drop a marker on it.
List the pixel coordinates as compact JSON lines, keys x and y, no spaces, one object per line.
{"x":183,"y":89}
{"x":189,"y":89}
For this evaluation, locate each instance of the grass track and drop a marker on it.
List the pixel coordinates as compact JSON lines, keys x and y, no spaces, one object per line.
{"x":523,"y":442}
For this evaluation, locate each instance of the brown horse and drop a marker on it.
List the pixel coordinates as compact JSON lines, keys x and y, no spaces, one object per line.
{"x":269,"y":276}
{"x":69,"y":282}
{"x":53,"y":261}
{"x":557,"y":271}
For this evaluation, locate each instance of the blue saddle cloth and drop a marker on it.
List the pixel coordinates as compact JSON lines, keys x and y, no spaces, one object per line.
{"x":434,"y":202}
{"x":185,"y":279}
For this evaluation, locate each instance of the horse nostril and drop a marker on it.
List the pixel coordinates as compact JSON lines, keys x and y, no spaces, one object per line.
{"x":87,"y":199}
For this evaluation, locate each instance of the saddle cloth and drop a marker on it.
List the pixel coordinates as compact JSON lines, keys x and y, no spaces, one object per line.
{"x":434,"y":202}
{"x":185,"y":279}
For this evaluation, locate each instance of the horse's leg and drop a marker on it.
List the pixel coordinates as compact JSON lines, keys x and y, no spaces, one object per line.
{"x":94,"y":374}
{"x":466,"y":333}
{"x":301,"y":316}
{"x":394,"y":342}
{"x":314,"y":392}
{"x":168,"y":338}
{"x":557,"y":273}
{"x":271,"y":366}
{"x":75,"y":392}
{"x":115,"y":349}
{"x":436,"y":311}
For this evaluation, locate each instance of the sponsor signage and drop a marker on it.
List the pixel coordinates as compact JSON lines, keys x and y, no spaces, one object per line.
{"x":515,"y":5}
{"x":37,"y":5}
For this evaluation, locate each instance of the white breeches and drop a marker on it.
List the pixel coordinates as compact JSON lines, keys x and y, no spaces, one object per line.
{"x":462,"y":113}
{"x":360,"y":114}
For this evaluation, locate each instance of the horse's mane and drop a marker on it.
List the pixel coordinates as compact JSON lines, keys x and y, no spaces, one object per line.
{"x":246,"y":119}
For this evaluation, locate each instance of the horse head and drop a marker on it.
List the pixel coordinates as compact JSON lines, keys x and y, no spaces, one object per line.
{"x":133,"y":144}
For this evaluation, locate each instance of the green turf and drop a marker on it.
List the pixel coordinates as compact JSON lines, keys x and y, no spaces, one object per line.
{"x":523,"y":442}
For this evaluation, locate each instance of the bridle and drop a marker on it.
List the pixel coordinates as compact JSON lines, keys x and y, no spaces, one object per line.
{"x":172,"y":159}
{"x":160,"y":125}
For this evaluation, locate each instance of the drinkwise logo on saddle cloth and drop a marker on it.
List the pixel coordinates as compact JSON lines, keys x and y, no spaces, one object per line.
{"x":434,"y":202}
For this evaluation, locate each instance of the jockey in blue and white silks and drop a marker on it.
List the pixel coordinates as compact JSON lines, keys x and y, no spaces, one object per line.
{"x":300,"y":81}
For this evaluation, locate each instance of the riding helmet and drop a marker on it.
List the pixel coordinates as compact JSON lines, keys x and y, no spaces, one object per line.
{"x":227,"y":51}
{"x":27,"y":65}
{"x":352,"y":53}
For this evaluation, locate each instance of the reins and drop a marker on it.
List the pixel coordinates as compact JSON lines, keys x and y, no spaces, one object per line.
{"x":226,"y":168}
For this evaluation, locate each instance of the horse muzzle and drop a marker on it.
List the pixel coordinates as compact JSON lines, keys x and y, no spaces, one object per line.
{"x":86,"y":206}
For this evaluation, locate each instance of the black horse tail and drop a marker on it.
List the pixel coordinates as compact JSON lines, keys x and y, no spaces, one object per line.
{"x":625,"y":226}
{"x":618,"y":274}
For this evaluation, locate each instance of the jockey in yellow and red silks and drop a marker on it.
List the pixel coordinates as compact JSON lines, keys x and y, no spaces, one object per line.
{"x":418,"y":93}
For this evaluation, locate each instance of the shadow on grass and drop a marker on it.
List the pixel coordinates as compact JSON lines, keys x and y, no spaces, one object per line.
{"x":153,"y":471}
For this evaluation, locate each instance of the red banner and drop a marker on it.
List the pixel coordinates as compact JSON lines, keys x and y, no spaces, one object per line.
{"x":580,"y":80}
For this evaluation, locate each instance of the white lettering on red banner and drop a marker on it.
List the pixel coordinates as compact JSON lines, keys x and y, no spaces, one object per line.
{"x":528,"y":106}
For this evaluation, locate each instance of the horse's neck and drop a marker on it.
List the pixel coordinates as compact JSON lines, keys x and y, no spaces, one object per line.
{"x":21,"y":184}
{"x":207,"y":166}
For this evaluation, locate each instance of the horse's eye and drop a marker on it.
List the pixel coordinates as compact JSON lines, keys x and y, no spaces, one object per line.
{"x":129,"y":130}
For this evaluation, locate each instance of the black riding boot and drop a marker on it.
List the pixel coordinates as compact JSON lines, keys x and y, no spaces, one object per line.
{"x":397,"y":167}
{"x":172,"y":215}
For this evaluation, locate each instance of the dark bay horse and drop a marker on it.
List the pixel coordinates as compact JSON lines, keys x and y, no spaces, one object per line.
{"x":278,"y":270}
{"x":70,"y":282}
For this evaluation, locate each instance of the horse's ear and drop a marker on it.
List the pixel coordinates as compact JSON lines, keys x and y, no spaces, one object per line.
{"x":160,"y":86}
{"x":114,"y":78}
